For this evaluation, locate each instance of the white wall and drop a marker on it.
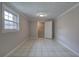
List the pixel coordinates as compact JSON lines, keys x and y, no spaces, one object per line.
{"x":10,"y":40}
{"x":48,"y":29}
{"x":67,"y":29}
{"x":0,"y":15}
{"x":33,"y":29}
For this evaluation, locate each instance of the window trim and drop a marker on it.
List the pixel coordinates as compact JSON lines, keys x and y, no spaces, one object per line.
{"x":5,"y":8}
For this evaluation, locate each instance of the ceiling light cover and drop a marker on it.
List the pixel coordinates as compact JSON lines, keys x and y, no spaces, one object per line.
{"x":41,"y":14}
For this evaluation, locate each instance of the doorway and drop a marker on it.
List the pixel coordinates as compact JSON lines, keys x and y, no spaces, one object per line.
{"x":40,"y":29}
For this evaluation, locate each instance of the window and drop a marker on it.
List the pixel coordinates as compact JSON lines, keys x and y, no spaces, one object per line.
{"x":10,"y":20}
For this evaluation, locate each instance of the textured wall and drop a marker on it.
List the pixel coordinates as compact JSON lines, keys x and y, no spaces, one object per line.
{"x":67,"y":29}
{"x":0,"y":16}
{"x":10,"y":40}
{"x":33,"y":29}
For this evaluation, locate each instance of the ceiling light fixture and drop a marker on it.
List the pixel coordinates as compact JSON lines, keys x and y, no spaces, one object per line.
{"x":41,"y":14}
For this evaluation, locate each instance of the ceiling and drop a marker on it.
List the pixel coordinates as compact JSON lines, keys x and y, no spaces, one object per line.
{"x":52,"y":9}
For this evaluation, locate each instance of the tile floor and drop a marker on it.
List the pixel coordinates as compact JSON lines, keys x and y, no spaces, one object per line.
{"x":42,"y":48}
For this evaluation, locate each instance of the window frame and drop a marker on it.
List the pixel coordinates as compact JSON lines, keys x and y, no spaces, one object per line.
{"x":14,"y":22}
{"x":5,"y":8}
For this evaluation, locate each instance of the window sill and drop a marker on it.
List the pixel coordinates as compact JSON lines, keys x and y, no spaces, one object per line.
{"x":10,"y":30}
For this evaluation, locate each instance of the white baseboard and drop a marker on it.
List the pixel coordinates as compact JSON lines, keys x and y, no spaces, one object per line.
{"x":68,"y":47}
{"x":15,"y":48}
